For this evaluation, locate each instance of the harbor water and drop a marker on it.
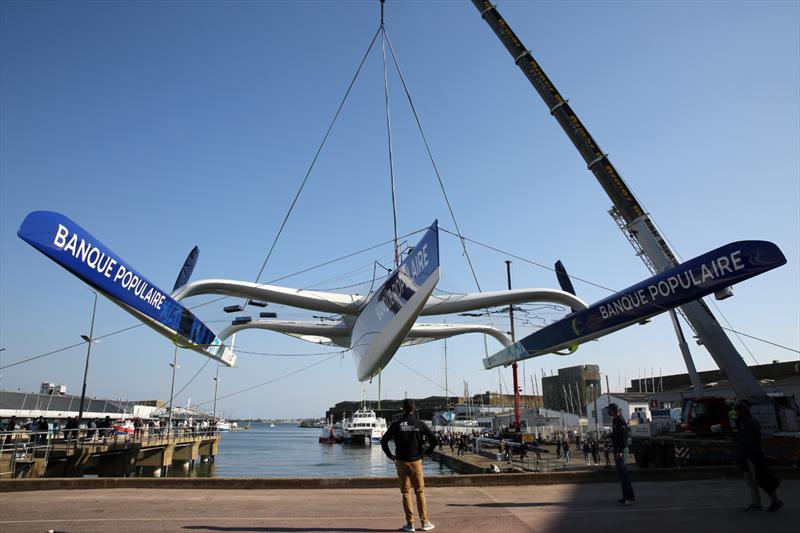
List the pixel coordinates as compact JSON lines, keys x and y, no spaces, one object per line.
{"x":290,"y":451}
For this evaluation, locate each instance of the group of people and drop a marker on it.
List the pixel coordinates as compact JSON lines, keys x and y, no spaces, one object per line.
{"x":458,"y":443}
{"x":414,"y":441}
{"x":591,"y":452}
{"x":749,"y":457}
{"x":94,"y":428}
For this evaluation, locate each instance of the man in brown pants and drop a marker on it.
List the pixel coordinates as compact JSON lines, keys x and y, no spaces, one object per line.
{"x":408,"y":434}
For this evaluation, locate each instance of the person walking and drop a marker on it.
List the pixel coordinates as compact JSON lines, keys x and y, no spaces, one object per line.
{"x":619,"y":441}
{"x":750,"y":458}
{"x":595,"y":451}
{"x":565,"y":446}
{"x":409,"y":434}
{"x":586,"y":450}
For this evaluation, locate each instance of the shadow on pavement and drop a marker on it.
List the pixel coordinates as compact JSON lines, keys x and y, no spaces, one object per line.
{"x":287,"y":529}
{"x":507,"y":504}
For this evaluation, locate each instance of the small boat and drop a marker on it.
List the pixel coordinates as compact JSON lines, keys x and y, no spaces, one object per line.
{"x":223,"y":426}
{"x":124,"y":428}
{"x":329,"y":435}
{"x":271,"y":425}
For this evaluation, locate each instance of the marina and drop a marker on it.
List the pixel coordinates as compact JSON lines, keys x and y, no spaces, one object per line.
{"x":274,"y":451}
{"x":413,"y":227}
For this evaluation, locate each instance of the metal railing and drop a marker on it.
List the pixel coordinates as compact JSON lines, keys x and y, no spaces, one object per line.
{"x":23,"y":446}
{"x":513,"y":455}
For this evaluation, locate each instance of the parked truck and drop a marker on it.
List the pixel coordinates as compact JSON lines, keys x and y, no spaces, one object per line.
{"x":703,"y":435}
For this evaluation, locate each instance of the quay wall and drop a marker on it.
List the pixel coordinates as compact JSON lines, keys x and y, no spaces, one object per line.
{"x":477,"y":480}
{"x":459,"y":465}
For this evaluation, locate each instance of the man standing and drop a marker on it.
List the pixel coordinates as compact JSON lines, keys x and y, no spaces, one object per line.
{"x":619,"y":441}
{"x":408,"y":435}
{"x":750,"y":457}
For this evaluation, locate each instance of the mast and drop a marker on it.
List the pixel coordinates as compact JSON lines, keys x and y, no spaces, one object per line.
{"x":633,"y":219}
{"x":514,"y":366}
{"x":446,"y":389}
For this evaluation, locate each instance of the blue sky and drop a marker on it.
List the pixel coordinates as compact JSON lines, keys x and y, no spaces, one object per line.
{"x":158,"y":126}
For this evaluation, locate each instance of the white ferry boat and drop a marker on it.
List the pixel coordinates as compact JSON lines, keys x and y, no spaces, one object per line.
{"x":364,"y":425}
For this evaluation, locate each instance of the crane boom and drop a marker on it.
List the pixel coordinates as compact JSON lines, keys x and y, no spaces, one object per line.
{"x":637,"y":222}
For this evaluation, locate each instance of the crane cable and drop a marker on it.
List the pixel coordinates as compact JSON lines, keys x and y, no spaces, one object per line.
{"x":316,"y":156}
{"x":382,"y":31}
{"x":430,"y":157}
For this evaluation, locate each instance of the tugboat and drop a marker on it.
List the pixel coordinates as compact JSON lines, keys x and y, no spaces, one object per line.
{"x":329,"y":435}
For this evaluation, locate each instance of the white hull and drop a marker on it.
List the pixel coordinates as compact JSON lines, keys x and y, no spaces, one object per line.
{"x":364,"y":426}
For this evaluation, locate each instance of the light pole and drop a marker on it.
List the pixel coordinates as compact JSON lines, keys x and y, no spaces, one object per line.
{"x":174,"y":365}
{"x":89,"y":340}
{"x":216,"y":382}
{"x":1,"y":375}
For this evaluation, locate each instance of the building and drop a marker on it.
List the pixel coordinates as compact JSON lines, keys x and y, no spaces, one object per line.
{"x":494,"y":399}
{"x":675,"y":382}
{"x":51,"y":406}
{"x":478,"y":405}
{"x":540,"y":422}
{"x":571,"y":389}
{"x":630,"y":405}
{"x":52,"y":388}
{"x":426,"y":407}
{"x":779,"y":387}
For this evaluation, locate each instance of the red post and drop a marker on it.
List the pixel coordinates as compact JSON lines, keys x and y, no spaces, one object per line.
{"x":516,"y":399}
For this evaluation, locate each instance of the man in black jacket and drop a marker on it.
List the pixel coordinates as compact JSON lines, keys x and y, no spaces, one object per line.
{"x":408,"y":435}
{"x":619,"y":440}
{"x":751,"y":459}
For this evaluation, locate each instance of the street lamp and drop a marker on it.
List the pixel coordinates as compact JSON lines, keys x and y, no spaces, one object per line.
{"x":174,"y":365}
{"x":216,"y":382}
{"x":89,"y":340}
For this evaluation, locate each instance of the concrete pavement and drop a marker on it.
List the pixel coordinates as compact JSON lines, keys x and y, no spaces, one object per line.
{"x":667,"y":506}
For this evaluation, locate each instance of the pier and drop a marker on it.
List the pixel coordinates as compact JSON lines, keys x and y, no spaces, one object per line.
{"x":487,"y":455}
{"x":75,"y":453}
{"x":712,"y":504}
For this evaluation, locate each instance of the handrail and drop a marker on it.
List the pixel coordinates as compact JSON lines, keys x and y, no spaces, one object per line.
{"x":24,"y":445}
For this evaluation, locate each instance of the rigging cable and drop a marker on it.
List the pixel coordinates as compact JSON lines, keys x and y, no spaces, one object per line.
{"x":430,"y":157}
{"x":389,"y":137}
{"x":273,"y":380}
{"x":208,"y":360}
{"x":314,"y":160}
{"x":423,"y":376}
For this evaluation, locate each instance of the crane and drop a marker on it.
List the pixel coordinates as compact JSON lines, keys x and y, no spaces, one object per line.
{"x":635,"y":221}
